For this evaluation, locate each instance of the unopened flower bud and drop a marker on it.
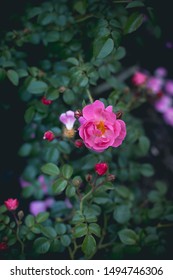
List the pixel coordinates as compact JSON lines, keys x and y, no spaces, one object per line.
{"x":88,"y":177}
{"x":11,"y":204}
{"x":46,"y":101}
{"x":49,"y":136}
{"x":62,"y":89}
{"x":78,"y":143}
{"x":77,"y":180}
{"x":3,"y":246}
{"x":20,"y":215}
{"x":101,"y":168}
{"x":111,"y":177}
{"x":119,"y":114}
{"x":78,"y":114}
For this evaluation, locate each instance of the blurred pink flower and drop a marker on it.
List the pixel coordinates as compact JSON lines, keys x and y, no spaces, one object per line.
{"x":154,"y":84}
{"x":42,"y":182}
{"x":24,"y":183}
{"x":68,"y":119}
{"x":99,"y":127}
{"x":37,"y":207}
{"x":139,"y":78}
{"x":160,"y":72}
{"x":163,"y":103}
{"x":49,"y":202}
{"x":168,"y":116}
{"x":169,"y":87}
{"x":68,"y":203}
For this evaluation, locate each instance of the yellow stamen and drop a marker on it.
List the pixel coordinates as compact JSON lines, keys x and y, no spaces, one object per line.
{"x":101,"y":127}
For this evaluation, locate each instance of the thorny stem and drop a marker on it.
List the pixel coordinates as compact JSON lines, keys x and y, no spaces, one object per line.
{"x":84,"y":198}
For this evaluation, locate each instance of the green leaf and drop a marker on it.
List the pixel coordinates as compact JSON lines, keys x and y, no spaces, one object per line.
{"x":59,"y":186}
{"x":53,"y":94}
{"x":3,"y":209}
{"x":41,"y":245}
{"x":80,"y":230}
{"x":37,"y":87}
{"x":42,"y":217}
{"x":25,"y":150}
{"x":29,"y":221}
{"x":27,"y":191}
{"x":70,"y":191}
{"x":144,"y":145}
{"x":60,"y":228}
{"x":73,"y":61}
{"x":78,"y":218}
{"x":103,"y":47}
{"x":146,"y":169}
{"x":50,"y":169}
{"x":122,"y":214}
{"x":65,"y":240}
{"x":135,"y":4}
{"x":67,"y":171}
{"x":80,"y":7}
{"x":95,"y":229}
{"x":128,"y":236}
{"x":13,"y":77}
{"x":2,"y":74}
{"x":69,"y":97}
{"x":29,"y":114}
{"x":89,"y":245}
{"x":48,"y":231}
{"x":133,"y":23}
{"x":52,"y":36}
{"x":122,"y":191}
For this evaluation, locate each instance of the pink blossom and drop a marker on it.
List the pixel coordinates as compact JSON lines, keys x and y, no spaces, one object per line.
{"x":43,"y":185}
{"x":139,"y":78}
{"x":68,"y":203}
{"x":100,"y":128}
{"x":160,"y":72}
{"x":163,"y":103}
{"x":168,"y":116}
{"x":169,"y":87}
{"x":68,"y":119}
{"x":24,"y":183}
{"x":11,"y":204}
{"x":37,"y":207}
{"x":49,"y":202}
{"x":154,"y":84}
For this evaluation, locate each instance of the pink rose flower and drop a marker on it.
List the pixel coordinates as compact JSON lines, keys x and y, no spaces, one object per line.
{"x":101,"y":168}
{"x":11,"y":204}
{"x":169,"y":87}
{"x":163,"y":103}
{"x":68,"y":119}
{"x":100,"y":128}
{"x":139,"y":78}
{"x":168,"y":116}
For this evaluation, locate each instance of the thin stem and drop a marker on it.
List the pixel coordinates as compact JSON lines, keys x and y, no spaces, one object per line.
{"x":165,"y":225}
{"x":17,"y":233}
{"x":84,"y":198}
{"x":89,"y":96}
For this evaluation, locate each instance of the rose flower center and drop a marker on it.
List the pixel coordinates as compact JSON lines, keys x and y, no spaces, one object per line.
{"x":101,"y":126}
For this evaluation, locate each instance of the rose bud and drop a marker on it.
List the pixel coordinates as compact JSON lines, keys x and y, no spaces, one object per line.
{"x":111,"y":177}
{"x":78,"y":114}
{"x":78,"y":143}
{"x":49,"y":136}
{"x":3,"y":246}
{"x":46,"y":101}
{"x":88,"y":177}
{"x":101,"y":168}
{"x":62,"y":89}
{"x":11,"y":204}
{"x":119,"y":114}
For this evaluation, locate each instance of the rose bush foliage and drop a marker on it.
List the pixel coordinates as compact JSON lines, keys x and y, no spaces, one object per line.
{"x":90,"y":194}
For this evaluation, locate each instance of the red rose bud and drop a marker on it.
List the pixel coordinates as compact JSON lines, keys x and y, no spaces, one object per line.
{"x":78,"y":114}
{"x":49,"y":136}
{"x":11,"y":204}
{"x":101,"y":168}
{"x":46,"y":101}
{"x":78,"y":143}
{"x":3,"y":246}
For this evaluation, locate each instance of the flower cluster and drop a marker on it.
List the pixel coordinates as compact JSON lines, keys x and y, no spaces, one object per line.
{"x":160,"y":88}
